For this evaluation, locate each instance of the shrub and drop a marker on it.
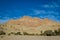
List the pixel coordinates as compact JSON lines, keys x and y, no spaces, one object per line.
{"x":48,"y":33}
{"x":32,"y":34}
{"x":11,"y":33}
{"x":57,"y":32}
{"x":41,"y":33}
{"x":18,"y":33}
{"x":25,"y":33}
{"x":2,"y":33}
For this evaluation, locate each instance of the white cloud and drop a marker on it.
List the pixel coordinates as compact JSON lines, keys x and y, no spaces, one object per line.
{"x":52,"y":17}
{"x":53,"y":5}
{"x":14,"y":17}
{"x":6,"y":17}
{"x":47,"y":6}
{"x":37,"y":12}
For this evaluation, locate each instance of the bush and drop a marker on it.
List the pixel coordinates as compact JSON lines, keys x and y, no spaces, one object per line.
{"x":57,"y":32}
{"x":25,"y":33}
{"x":32,"y":34}
{"x":48,"y":33}
{"x":2,"y":33}
{"x":18,"y":33}
{"x":9,"y":34}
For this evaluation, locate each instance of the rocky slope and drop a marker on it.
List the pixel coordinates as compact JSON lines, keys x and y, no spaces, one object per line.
{"x":30,"y":25}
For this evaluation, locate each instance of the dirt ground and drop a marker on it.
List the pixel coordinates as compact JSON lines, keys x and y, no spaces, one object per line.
{"x":19,"y":37}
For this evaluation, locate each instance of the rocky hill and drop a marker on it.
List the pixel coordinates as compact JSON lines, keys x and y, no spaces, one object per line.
{"x":30,"y":25}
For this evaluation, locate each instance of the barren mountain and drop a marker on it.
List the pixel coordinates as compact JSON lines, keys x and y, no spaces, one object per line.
{"x":30,"y":25}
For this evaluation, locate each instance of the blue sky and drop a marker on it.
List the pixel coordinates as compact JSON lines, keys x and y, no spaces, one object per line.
{"x":12,"y":9}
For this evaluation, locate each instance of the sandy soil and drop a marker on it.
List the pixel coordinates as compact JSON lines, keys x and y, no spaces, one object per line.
{"x":19,"y":37}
